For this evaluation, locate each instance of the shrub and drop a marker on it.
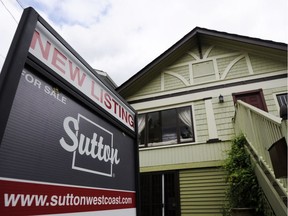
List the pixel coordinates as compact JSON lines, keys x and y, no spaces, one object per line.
{"x":243,"y":189}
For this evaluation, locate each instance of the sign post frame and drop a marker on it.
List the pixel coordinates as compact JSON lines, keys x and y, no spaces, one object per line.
{"x":19,"y":57}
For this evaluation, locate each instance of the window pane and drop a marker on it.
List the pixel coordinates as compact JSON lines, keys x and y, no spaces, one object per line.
{"x":185,"y":124}
{"x":166,"y":127}
{"x":169,"y":126}
{"x":282,"y":99}
{"x":154,"y":130}
{"x":141,"y":129}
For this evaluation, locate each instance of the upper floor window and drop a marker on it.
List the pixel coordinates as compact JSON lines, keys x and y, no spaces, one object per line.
{"x":282,"y":99}
{"x":166,"y":127}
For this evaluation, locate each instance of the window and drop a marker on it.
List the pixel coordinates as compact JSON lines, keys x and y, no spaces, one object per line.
{"x":166,"y":127}
{"x":282,"y":99}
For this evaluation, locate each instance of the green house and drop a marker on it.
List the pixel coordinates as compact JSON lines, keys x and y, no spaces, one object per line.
{"x":187,"y":101}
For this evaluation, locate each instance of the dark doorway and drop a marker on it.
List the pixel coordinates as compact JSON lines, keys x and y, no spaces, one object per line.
{"x":160,"y":194}
{"x":254,"y":98}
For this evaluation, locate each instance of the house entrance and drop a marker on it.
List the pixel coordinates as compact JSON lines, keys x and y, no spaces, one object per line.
{"x":254,"y":98}
{"x":160,"y":194}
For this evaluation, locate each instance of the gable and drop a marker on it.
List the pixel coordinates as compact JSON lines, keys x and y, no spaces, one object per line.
{"x":208,"y":63}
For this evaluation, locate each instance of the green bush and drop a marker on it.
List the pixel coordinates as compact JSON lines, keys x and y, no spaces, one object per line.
{"x":243,"y":189}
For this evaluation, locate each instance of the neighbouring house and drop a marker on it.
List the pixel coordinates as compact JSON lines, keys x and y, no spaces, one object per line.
{"x":106,"y":79}
{"x":185,"y":100}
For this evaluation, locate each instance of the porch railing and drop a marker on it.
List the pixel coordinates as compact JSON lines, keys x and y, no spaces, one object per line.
{"x":261,"y":130}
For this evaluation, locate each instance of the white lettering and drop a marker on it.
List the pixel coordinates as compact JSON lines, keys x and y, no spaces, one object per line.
{"x":31,"y":79}
{"x":55,"y":94}
{"x":71,"y":134}
{"x":85,"y":145}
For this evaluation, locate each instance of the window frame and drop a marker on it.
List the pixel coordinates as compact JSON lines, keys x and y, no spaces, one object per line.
{"x":279,"y":95}
{"x":276,"y":99}
{"x":178,"y":128}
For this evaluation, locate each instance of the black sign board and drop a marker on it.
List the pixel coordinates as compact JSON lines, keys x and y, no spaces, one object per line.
{"x":67,"y":141}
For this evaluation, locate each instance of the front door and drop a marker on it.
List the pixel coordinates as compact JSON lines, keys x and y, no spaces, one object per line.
{"x":254,"y":98}
{"x":159,"y":194}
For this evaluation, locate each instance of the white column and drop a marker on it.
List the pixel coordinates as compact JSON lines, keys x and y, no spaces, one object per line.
{"x":211,"y":123}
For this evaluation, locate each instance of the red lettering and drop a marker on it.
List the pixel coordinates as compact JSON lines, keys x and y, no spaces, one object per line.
{"x":115,"y":105}
{"x":120,"y":111}
{"x":124,"y":114}
{"x":92,"y":90}
{"x":101,"y":95}
{"x":44,"y":51}
{"x":59,"y":62}
{"x":58,"y":57}
{"x":131,"y":120}
{"x":76,"y":72}
{"x":107,"y":101}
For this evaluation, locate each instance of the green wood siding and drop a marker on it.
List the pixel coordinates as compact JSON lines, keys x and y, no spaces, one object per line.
{"x":224,"y":112}
{"x":202,"y":191}
{"x":183,"y":154}
{"x":264,"y":65}
{"x":217,"y":51}
{"x":195,"y":51}
{"x":182,"y":70}
{"x":270,"y":98}
{"x":205,"y":47}
{"x":239,"y":69}
{"x":172,"y":74}
{"x":225,"y":63}
{"x":222,"y":63}
{"x":201,"y":121}
{"x":153,"y":86}
{"x":186,"y":58}
{"x":171,"y":82}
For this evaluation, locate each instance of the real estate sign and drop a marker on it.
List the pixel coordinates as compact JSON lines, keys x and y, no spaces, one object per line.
{"x":67,"y":141}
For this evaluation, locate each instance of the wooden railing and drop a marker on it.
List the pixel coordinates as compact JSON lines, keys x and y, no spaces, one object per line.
{"x":261,"y":130}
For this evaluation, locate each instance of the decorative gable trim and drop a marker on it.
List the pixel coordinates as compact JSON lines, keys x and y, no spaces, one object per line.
{"x":178,"y":76}
{"x":209,"y":88}
{"x":191,"y":39}
{"x":232,"y":63}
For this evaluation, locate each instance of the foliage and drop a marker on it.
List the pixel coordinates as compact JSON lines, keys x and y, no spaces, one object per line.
{"x":243,"y":189}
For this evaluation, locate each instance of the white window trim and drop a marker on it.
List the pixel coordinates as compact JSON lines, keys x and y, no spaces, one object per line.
{"x":211,"y":122}
{"x":173,"y":107}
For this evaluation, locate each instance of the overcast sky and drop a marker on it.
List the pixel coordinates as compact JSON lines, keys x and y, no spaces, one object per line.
{"x":121,"y":37}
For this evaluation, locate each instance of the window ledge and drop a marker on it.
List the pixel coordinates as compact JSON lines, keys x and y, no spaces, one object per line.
{"x":213,"y":140}
{"x":178,"y":145}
